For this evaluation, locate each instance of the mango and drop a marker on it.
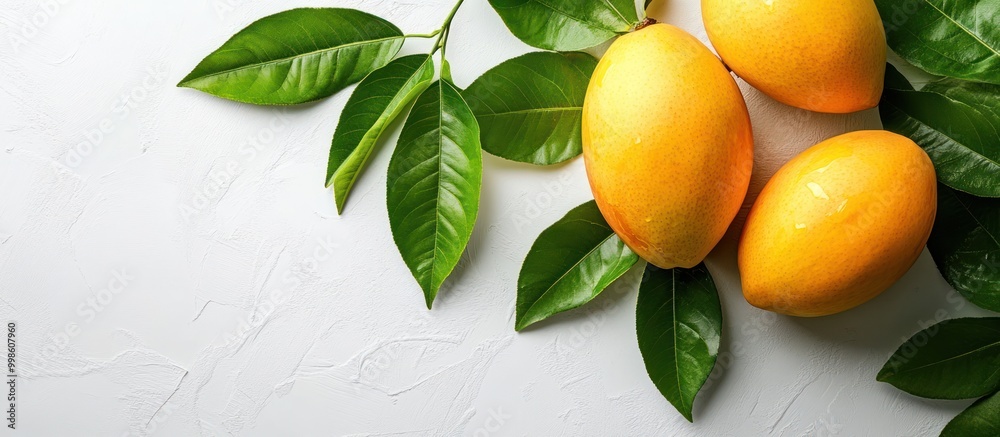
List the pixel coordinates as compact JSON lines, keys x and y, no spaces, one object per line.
{"x":824,"y":56}
{"x":838,"y":224}
{"x":667,"y":145}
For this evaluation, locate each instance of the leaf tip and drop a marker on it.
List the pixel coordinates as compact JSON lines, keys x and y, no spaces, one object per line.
{"x":519,"y":325}
{"x":883,"y":375}
{"x":429,"y":296}
{"x":185,"y":82}
{"x":340,"y":201}
{"x":685,"y":410}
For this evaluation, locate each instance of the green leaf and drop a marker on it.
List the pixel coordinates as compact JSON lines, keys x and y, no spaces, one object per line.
{"x":570,"y":263}
{"x":679,"y":324}
{"x":981,"y":419}
{"x":566,"y":25}
{"x":954,"y":359}
{"x":375,"y":103}
{"x":530,"y":108}
{"x":982,"y":96}
{"x":434,"y":180}
{"x":297,"y":56}
{"x":947,"y":38}
{"x":965,"y":244}
{"x":963,"y":142}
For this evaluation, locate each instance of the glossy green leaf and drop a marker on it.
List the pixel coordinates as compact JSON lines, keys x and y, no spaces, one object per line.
{"x":375,"y":103}
{"x":679,"y":325}
{"x":963,"y":142}
{"x":566,"y":25}
{"x":954,"y":359}
{"x":530,"y":108}
{"x":570,"y":263}
{"x":983,"y":96}
{"x":957,"y":38}
{"x":297,"y":56}
{"x":981,"y":419}
{"x":965,"y":245}
{"x":434,"y":180}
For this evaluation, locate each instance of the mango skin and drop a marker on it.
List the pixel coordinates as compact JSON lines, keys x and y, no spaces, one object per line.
{"x":824,"y":56}
{"x":667,"y":144}
{"x":838,"y":224}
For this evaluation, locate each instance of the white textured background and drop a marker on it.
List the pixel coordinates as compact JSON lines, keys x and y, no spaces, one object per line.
{"x":251,"y":308}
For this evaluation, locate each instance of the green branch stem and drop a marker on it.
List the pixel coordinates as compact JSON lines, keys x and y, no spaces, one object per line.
{"x":442,"y":37}
{"x":423,"y":35}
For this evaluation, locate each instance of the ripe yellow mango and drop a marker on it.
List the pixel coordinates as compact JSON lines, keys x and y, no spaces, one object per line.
{"x":838,"y":224}
{"x":667,"y":145}
{"x":824,"y":56}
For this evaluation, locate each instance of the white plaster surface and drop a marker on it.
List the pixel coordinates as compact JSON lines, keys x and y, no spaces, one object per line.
{"x":250,"y":308}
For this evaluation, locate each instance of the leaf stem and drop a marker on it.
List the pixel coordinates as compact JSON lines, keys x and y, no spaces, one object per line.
{"x":442,"y":39}
{"x":423,"y":35}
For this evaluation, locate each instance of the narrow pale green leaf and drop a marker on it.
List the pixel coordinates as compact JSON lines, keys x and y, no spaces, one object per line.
{"x":963,"y":142}
{"x":375,"y":103}
{"x":530,"y":108}
{"x":981,"y":419}
{"x":679,"y":326}
{"x":954,"y":359}
{"x":434,"y":180}
{"x":297,"y":56}
{"x":965,"y":245}
{"x":566,"y":25}
{"x":570,"y":263}
{"x":956,"y":38}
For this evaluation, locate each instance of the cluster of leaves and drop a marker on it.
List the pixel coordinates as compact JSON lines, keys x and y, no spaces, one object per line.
{"x":956,"y":119}
{"x":527,"y":109}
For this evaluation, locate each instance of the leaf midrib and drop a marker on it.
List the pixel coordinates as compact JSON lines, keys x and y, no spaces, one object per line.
{"x":976,"y":219}
{"x":939,"y":131}
{"x":567,"y":272}
{"x":289,"y":58}
{"x":580,"y":20}
{"x":534,"y":110}
{"x":963,"y":354}
{"x":437,"y":199}
{"x":964,"y":29}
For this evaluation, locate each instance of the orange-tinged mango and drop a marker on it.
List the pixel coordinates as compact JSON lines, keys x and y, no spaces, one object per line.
{"x":824,"y":56}
{"x":838,"y":224}
{"x":667,"y":144}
